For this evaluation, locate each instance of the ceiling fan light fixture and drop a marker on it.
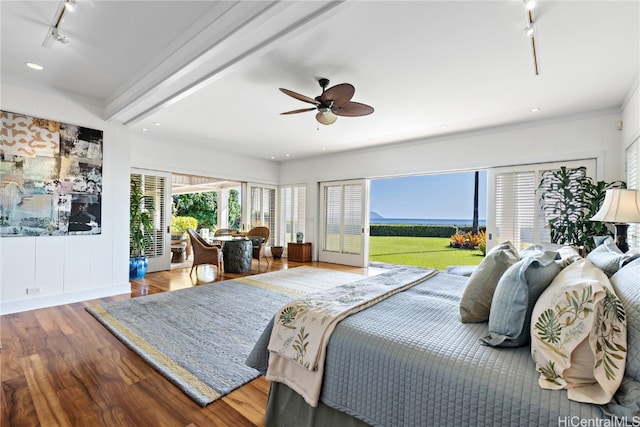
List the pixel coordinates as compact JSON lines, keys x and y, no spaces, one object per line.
{"x":326,"y":118}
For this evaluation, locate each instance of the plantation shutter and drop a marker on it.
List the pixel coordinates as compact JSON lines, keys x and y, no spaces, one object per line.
{"x":515,"y":213}
{"x":157,"y":198}
{"x":633,"y":181}
{"x":515,"y":208}
{"x":292,"y":212}
{"x":262,"y":208}
{"x":344,"y":222}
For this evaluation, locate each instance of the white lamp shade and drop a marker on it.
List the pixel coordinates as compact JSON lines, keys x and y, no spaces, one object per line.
{"x":619,"y":206}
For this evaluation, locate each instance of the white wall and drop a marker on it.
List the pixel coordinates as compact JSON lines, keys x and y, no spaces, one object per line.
{"x":70,"y":268}
{"x":593,"y":135}
{"x":631,"y":116}
{"x":172,"y":156}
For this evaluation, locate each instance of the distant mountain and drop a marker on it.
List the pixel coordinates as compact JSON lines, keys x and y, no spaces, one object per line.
{"x":373,"y":214}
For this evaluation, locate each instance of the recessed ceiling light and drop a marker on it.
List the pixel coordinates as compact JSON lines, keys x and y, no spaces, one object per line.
{"x":156,"y":123}
{"x":286,"y":155}
{"x":444,"y":126}
{"x":535,"y":110}
{"x":34,"y":66}
{"x":144,"y":129}
{"x":273,"y":157}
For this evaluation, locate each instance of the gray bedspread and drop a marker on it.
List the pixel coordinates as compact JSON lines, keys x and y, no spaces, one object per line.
{"x":409,"y":361}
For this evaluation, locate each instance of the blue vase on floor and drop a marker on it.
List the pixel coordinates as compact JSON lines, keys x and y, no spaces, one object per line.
{"x":138,"y":267}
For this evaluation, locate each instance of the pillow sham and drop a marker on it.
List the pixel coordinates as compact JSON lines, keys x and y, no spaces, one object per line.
{"x":475,"y":303}
{"x":579,"y":335}
{"x":514,"y":298}
{"x":609,"y":258}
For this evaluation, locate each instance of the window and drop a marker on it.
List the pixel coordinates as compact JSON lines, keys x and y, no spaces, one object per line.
{"x":513,"y":202}
{"x":633,"y":181}
{"x":262,"y":209}
{"x":292,"y":212}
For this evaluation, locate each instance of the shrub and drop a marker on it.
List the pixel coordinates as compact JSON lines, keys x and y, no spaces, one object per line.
{"x":181,"y":223}
{"x":416,"y":230}
{"x":470,"y":240}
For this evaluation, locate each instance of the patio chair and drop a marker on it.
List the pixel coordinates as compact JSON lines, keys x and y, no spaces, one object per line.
{"x":203,"y":252}
{"x":259,"y":237}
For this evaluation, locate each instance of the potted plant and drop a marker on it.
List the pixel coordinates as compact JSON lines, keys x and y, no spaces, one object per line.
{"x":569,"y":199}
{"x":140,"y":231}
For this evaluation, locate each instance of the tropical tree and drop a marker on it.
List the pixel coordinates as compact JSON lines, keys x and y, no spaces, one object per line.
{"x":201,"y":206}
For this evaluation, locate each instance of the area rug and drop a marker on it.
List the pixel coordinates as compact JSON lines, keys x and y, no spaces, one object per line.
{"x":200,"y":337}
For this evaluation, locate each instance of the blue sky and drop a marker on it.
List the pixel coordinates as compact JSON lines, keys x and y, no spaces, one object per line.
{"x":441,"y":196}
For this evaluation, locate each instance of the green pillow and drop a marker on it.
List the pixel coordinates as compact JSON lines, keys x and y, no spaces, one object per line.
{"x":475,"y":303}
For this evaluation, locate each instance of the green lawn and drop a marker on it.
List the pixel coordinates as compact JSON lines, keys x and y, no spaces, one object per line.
{"x":430,"y":252}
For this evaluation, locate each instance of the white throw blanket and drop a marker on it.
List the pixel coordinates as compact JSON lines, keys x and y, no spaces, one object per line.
{"x":302,"y":328}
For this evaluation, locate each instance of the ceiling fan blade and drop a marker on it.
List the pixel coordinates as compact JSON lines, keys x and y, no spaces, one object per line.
{"x":339,"y":94}
{"x":299,"y":97}
{"x":302,"y":110}
{"x":326,"y":118}
{"x":352,"y":109}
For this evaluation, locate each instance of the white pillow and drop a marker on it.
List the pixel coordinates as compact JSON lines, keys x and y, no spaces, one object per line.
{"x":579,"y":335}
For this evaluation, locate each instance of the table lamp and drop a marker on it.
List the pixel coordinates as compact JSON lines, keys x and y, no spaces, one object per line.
{"x":620,"y":207}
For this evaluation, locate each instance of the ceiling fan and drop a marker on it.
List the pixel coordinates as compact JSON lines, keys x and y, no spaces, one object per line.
{"x":333,"y":102}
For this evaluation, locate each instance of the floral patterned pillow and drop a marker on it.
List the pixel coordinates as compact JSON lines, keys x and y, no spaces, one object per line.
{"x":579,"y":335}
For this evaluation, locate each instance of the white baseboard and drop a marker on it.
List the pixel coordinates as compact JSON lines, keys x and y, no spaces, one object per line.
{"x":53,"y":300}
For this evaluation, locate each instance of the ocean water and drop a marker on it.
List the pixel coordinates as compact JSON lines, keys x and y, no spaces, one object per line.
{"x":426,"y":221}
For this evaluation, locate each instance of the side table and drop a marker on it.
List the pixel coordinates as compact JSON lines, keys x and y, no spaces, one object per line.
{"x":237,"y":255}
{"x":299,"y":252}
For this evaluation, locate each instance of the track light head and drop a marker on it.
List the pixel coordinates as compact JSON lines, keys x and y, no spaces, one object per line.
{"x":528,"y":30}
{"x":71,"y":5}
{"x":59,"y":37}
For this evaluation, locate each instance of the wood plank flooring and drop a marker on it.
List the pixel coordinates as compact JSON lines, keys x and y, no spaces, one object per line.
{"x":60,"y":367}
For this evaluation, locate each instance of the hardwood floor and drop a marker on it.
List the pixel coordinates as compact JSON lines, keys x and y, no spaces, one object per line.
{"x":60,"y":367}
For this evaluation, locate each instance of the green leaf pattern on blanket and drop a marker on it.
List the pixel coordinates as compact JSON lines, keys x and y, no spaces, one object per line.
{"x":568,"y":318}
{"x":300,"y":346}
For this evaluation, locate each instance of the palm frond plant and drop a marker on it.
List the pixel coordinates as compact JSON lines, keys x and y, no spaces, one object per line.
{"x":569,"y":198}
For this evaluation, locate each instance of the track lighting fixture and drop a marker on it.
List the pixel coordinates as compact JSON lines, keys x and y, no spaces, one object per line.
{"x":70,"y":5}
{"x":529,"y":31}
{"x":54,"y":31}
{"x":59,"y":37}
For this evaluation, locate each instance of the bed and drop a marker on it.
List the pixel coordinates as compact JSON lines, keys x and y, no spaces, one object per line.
{"x":409,"y":361}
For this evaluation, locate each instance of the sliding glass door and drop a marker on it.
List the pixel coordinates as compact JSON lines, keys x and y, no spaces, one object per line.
{"x":344,"y":222}
{"x":157,"y":194}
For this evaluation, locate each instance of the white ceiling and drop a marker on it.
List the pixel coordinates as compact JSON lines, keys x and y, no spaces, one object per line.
{"x":209,"y":71}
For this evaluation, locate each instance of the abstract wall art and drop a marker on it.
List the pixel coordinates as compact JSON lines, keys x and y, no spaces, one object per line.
{"x":50,"y":177}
